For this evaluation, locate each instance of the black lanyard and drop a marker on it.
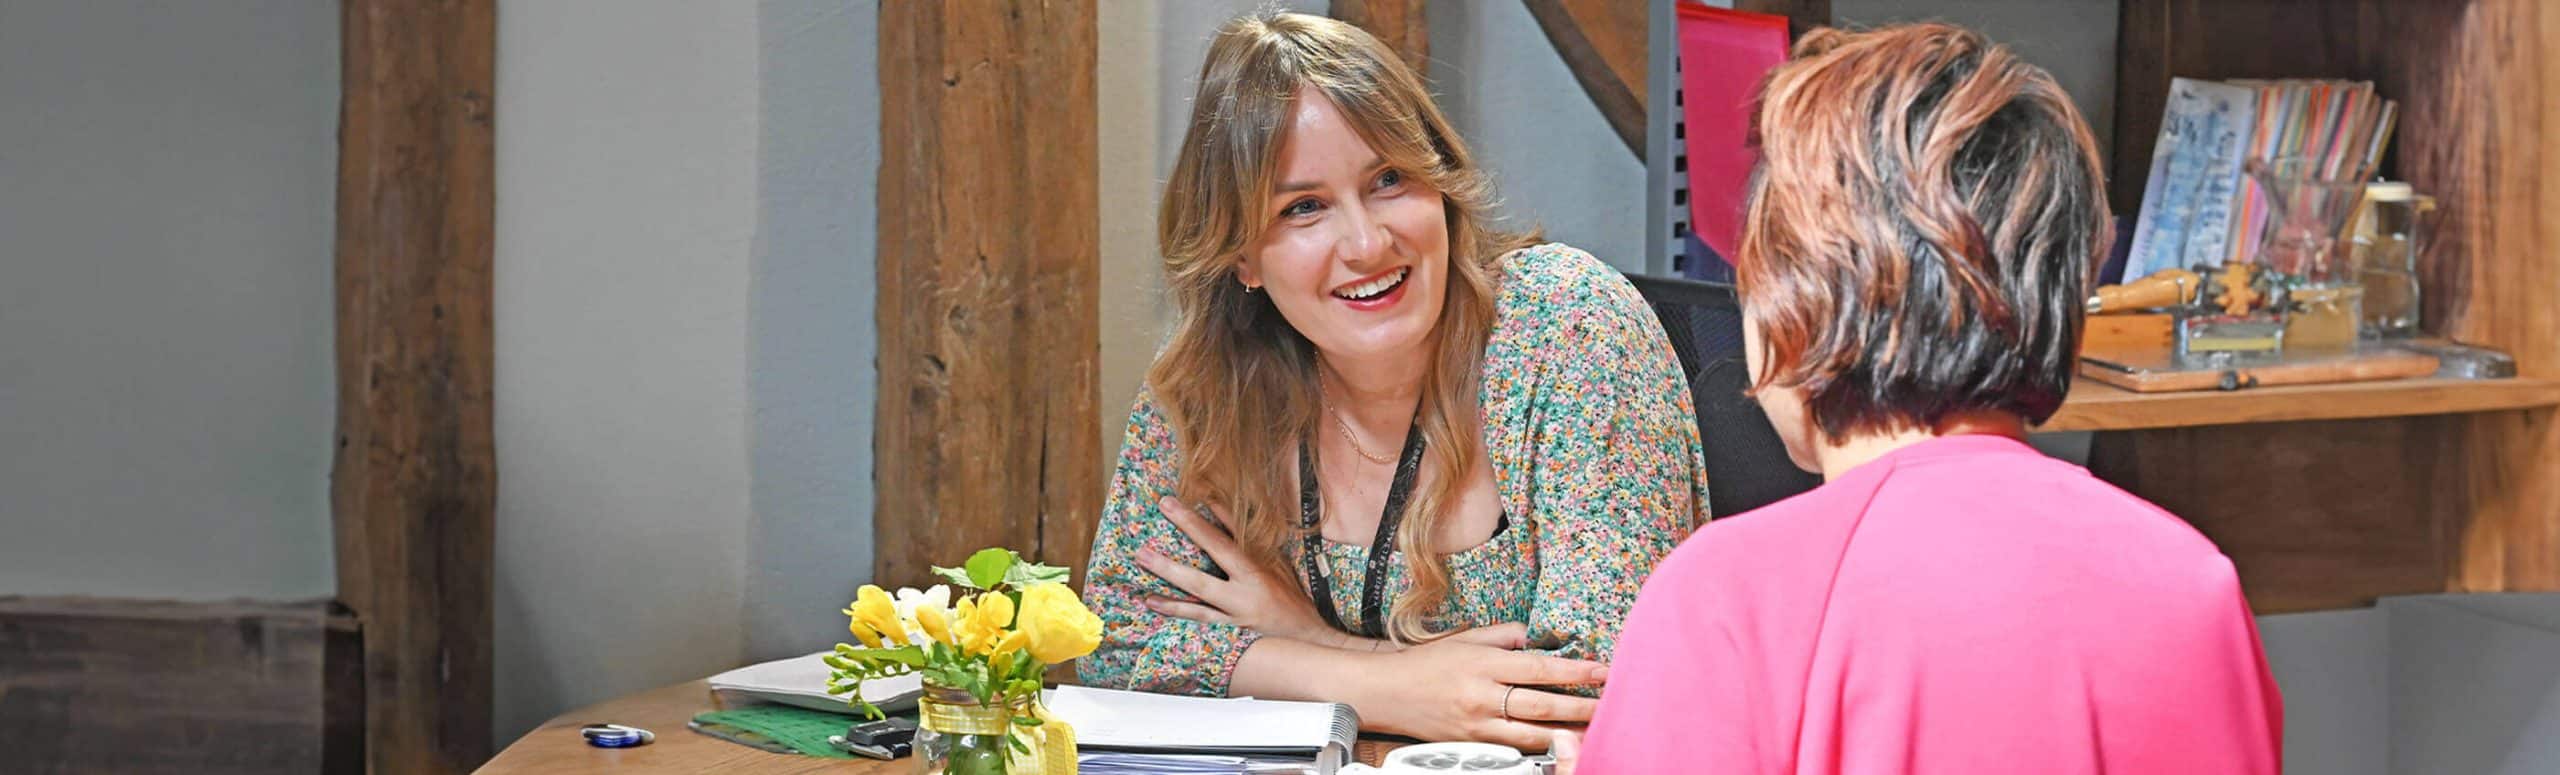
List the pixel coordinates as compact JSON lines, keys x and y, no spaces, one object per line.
{"x":1311,"y":518}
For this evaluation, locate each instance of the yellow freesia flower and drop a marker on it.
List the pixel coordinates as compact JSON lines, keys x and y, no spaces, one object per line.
{"x":870,"y":640}
{"x":935,"y":624}
{"x":872,"y":608}
{"x":1013,"y":641}
{"x":982,"y":623}
{"x":1059,"y":626}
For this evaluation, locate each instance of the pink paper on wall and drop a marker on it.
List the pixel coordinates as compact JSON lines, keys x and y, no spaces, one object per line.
{"x":1723,"y":57}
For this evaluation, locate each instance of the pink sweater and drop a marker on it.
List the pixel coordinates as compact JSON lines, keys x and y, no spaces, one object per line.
{"x":1963,"y":605}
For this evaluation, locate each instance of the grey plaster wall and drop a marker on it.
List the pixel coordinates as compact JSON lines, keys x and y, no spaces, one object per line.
{"x":627,"y":141}
{"x":1553,"y":157}
{"x":813,"y":337}
{"x":167,"y":377}
{"x":686,"y":240}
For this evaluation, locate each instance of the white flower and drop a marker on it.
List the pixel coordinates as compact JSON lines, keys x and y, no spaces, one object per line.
{"x":938,"y":598}
{"x":908,"y":598}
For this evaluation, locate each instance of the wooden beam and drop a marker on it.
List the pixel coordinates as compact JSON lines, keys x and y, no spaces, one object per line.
{"x":126,"y":686}
{"x":1802,"y":15}
{"x":989,"y":263}
{"x":413,"y":487}
{"x":1603,"y":44}
{"x":2480,"y":100}
{"x":1398,"y":22}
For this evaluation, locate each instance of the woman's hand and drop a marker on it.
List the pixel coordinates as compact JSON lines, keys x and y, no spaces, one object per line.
{"x":1474,"y":686}
{"x":1251,"y":596}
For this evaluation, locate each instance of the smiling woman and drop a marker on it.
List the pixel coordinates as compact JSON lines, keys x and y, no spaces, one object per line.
{"x":1391,"y":456}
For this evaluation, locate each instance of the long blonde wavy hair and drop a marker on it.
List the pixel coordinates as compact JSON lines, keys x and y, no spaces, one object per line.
{"x":1237,"y":382}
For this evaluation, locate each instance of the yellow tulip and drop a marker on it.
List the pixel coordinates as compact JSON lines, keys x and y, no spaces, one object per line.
{"x":1059,"y":626}
{"x":873,"y":608}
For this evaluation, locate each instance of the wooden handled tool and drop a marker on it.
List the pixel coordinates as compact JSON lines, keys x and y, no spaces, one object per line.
{"x":2164,"y":288}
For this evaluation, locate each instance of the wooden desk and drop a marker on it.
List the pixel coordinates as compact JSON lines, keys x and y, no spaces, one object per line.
{"x":556,"y":747}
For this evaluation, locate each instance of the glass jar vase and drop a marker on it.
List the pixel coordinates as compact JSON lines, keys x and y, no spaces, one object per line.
{"x":957,"y":734}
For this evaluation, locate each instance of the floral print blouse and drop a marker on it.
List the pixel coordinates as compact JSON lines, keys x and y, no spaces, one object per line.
{"x":1595,"y":453}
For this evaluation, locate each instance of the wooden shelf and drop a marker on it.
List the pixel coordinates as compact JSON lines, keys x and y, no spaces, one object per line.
{"x":2319,"y":496}
{"x":2095,"y":406}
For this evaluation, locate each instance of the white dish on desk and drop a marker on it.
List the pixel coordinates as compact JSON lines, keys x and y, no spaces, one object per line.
{"x":1452,"y":759}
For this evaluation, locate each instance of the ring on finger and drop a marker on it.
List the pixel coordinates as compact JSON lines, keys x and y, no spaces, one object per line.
{"x":1505,"y":707}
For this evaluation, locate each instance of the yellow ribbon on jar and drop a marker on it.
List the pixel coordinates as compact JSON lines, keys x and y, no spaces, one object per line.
{"x":1051,"y":744}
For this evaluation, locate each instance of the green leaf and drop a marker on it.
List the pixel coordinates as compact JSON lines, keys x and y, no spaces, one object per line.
{"x":910,"y":656}
{"x":1025,"y":721}
{"x":1027,"y":573}
{"x":1023,"y":689}
{"x":956,"y":576}
{"x":989,"y":567}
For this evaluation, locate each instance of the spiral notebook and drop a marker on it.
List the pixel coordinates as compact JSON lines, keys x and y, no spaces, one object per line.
{"x":1320,"y":734}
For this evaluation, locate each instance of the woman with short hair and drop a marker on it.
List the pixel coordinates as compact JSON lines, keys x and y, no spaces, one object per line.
{"x":1916,"y":249}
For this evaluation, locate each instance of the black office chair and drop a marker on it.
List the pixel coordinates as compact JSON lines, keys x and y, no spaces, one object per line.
{"x":1747,"y":466}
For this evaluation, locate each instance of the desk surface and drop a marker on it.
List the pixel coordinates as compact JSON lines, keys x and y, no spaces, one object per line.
{"x":556,"y":747}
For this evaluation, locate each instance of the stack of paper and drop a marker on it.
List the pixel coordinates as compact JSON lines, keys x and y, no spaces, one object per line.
{"x":1205,"y":731}
{"x":802,"y":682}
{"x":1118,"y":763}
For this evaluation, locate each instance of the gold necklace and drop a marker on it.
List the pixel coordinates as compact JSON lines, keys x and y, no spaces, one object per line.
{"x":1322,"y":395}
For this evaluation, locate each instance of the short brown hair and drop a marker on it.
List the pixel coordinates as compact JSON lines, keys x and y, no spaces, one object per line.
{"x":1920,"y":233}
